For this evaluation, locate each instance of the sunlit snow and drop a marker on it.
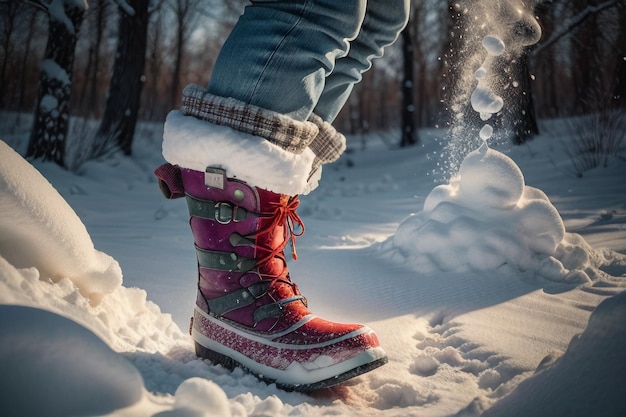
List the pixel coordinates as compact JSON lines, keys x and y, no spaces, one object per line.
{"x":498,"y":291}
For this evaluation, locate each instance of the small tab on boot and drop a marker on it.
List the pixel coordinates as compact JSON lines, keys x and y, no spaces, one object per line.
{"x":170,"y":181}
{"x":215,"y":178}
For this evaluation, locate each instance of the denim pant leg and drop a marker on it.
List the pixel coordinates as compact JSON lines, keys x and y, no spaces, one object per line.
{"x":384,"y":20}
{"x":280,"y":52}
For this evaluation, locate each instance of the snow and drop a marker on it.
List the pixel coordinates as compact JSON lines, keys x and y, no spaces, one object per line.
{"x":48,"y":103}
{"x":461,"y":334}
{"x":486,"y":132}
{"x":57,"y":11}
{"x":53,"y":357}
{"x":493,"y":45}
{"x":54,"y":71}
{"x":498,"y":291}
{"x":484,"y":218}
{"x":66,"y":250}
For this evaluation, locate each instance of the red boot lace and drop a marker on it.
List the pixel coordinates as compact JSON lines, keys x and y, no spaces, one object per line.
{"x":283,"y":214}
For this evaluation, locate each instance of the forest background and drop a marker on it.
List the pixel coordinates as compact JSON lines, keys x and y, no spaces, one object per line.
{"x":112,"y":64}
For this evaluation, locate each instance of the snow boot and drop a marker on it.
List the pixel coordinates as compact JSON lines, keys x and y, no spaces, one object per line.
{"x":248,"y":312}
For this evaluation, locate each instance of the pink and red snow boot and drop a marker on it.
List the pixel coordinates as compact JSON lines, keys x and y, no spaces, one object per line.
{"x":248,"y":312}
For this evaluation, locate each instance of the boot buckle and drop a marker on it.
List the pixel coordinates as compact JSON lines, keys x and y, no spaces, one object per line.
{"x":223,"y":212}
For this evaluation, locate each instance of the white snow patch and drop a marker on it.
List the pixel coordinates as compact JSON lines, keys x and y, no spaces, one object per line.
{"x":493,"y":45}
{"x":484,"y":100}
{"x":43,"y":231}
{"x":51,"y":364}
{"x":48,"y":103}
{"x":54,"y":71}
{"x":487,"y":217}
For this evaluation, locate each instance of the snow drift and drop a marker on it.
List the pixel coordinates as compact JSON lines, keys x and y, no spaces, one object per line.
{"x":485,"y":218}
{"x":442,"y":356}
{"x":43,"y":231}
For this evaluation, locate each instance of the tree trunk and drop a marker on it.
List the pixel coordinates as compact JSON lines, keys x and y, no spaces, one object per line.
{"x":618,"y":96}
{"x":525,"y":127}
{"x":8,"y":29}
{"x":51,"y":122}
{"x":178,"y":62}
{"x":93,"y":105}
{"x":25,"y":67}
{"x":154,"y":63}
{"x":122,"y":107}
{"x":89,"y":97}
{"x":408,"y":103}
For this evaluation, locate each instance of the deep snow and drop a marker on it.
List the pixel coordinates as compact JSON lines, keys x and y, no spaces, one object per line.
{"x":479,"y":286}
{"x":461,"y":331}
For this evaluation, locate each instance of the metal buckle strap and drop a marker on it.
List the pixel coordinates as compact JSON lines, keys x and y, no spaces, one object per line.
{"x":237,"y":298}
{"x":221,"y":211}
{"x":224,"y":261}
{"x":274,"y":309}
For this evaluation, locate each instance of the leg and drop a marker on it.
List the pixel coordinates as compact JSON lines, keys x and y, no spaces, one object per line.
{"x":280,"y":53}
{"x":384,"y":19}
{"x":241,"y":173}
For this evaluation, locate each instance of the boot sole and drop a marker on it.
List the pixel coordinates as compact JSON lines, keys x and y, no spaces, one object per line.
{"x":229,"y":363}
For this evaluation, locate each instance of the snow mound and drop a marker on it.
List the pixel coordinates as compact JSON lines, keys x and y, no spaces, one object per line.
{"x":48,"y":260}
{"x":486,"y":217}
{"x":65,"y":367}
{"x":203,"y":396}
{"x":569,"y":386}
{"x":43,"y":231}
{"x":64,"y":315}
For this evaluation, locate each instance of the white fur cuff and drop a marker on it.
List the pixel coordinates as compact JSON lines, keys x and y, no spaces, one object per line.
{"x":195,"y":144}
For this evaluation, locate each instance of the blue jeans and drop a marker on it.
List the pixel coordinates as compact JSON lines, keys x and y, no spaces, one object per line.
{"x":296,"y":57}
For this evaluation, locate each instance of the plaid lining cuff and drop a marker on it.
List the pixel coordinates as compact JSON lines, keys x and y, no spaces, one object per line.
{"x":328,"y":145}
{"x":289,"y":134}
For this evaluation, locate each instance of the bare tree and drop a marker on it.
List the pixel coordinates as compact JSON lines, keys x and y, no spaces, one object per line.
{"x":9,"y":22}
{"x":51,"y":122}
{"x":619,"y":73}
{"x":26,"y":55}
{"x":155,"y":59}
{"x":91,"y":92}
{"x":409,"y":135}
{"x":580,"y":47}
{"x":185,"y":14}
{"x":117,"y":127}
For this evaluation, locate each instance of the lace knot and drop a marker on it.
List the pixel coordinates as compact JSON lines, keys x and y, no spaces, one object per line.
{"x":283,"y":214}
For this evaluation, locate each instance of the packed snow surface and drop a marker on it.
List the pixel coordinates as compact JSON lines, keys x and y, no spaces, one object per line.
{"x":491,"y":296}
{"x":461,"y":331}
{"x":53,"y":358}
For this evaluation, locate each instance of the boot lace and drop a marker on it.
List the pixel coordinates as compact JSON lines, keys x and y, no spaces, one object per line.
{"x":283,"y":213}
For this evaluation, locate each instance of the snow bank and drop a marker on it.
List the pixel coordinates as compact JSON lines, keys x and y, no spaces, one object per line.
{"x":588,"y":380}
{"x":43,"y":231}
{"x":486,"y":217}
{"x":451,"y":337}
{"x":60,"y":359}
{"x":48,"y":260}
{"x":52,"y":365}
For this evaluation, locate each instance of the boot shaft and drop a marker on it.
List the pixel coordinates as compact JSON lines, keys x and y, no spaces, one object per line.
{"x":232,"y":217}
{"x":240,"y":232}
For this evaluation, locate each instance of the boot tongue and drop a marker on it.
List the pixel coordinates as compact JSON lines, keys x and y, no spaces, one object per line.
{"x":274,"y":268}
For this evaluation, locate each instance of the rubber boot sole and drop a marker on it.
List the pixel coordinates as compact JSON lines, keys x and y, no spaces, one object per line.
{"x":230,"y":364}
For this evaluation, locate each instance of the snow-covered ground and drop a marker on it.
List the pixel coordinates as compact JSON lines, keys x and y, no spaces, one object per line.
{"x":478,"y":288}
